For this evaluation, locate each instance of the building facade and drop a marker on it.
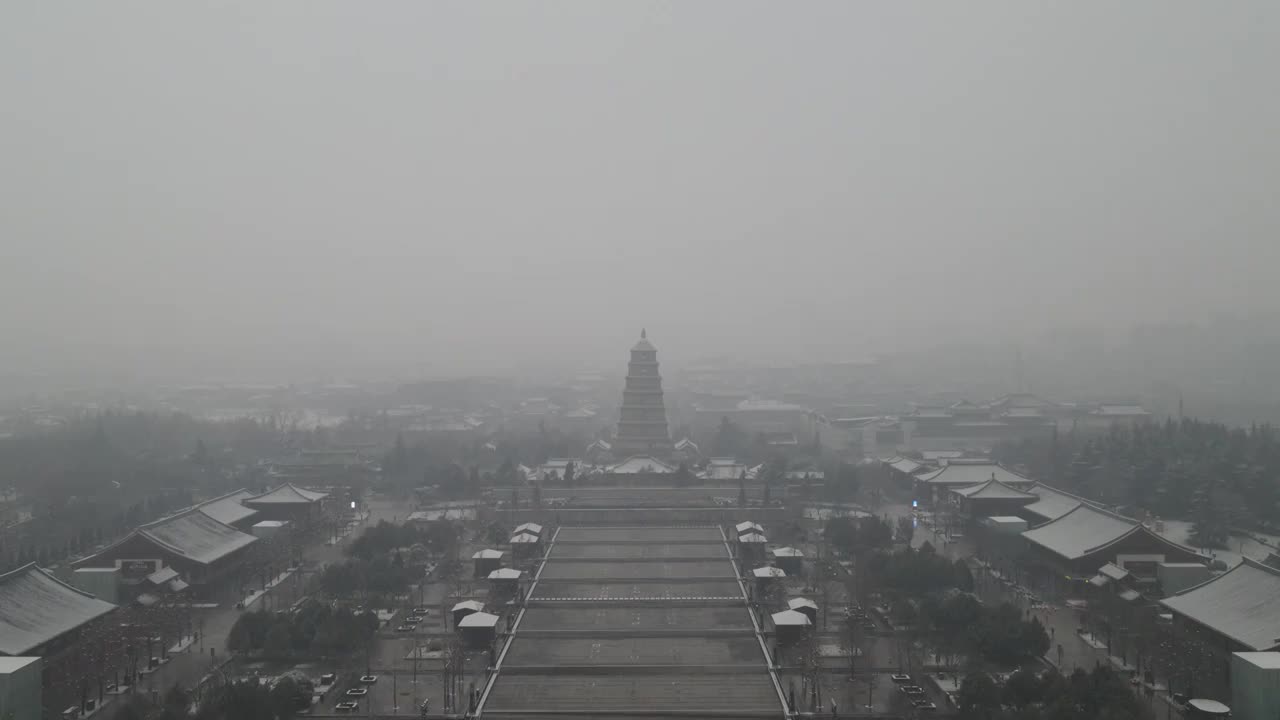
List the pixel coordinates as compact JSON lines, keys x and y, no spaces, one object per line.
{"x":642,"y":421}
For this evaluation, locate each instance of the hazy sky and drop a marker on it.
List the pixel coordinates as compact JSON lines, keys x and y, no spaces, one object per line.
{"x":365,"y":185}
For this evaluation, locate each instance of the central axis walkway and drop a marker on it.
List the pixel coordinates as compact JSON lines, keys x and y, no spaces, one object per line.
{"x":621,"y":621}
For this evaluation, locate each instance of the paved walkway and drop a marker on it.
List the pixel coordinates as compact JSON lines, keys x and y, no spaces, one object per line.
{"x":214,"y":625}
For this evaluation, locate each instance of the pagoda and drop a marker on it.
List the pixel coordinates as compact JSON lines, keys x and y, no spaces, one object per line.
{"x":642,"y":422}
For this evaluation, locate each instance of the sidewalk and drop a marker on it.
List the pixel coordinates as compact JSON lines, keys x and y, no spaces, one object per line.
{"x":256,"y":595}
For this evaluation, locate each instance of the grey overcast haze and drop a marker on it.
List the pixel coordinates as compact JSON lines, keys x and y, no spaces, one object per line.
{"x":403,"y":187}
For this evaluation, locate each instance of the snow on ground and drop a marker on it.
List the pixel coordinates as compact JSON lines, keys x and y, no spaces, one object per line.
{"x":1179,"y":531}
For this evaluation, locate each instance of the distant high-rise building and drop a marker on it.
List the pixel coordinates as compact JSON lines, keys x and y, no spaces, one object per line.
{"x":642,"y":422}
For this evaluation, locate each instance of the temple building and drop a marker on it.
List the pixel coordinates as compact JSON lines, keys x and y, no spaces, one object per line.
{"x":642,"y":422}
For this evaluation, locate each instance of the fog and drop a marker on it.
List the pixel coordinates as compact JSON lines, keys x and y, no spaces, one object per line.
{"x":438,"y":187}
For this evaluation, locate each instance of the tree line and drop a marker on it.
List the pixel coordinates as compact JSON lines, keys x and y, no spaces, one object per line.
{"x":1217,"y":476}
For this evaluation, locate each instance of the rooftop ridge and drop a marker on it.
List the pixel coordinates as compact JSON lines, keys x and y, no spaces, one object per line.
{"x":32,"y":566}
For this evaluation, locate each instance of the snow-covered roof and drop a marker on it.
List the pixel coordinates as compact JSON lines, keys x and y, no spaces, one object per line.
{"x":36,"y":607}
{"x":748,"y":526}
{"x":1085,"y":530}
{"x":1113,"y":571}
{"x":1242,"y":604}
{"x":1053,"y":503}
{"x":473,"y":605}
{"x":531,"y":528}
{"x":769,"y":572}
{"x":752,"y":538}
{"x":161,"y":576}
{"x":524,"y":539}
{"x":505,"y":574}
{"x":787,"y":552}
{"x":790,"y":618}
{"x":487,"y":554}
{"x":994,"y":490}
{"x":641,"y":464}
{"x":228,"y":509}
{"x":796,"y":603}
{"x":287,"y":494}
{"x":195,"y":536}
{"x":972,"y":472}
{"x":904,"y":465}
{"x":479,"y":619}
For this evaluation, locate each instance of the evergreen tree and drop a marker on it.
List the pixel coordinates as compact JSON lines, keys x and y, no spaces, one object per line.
{"x":742,"y":489}
{"x":569,"y":474}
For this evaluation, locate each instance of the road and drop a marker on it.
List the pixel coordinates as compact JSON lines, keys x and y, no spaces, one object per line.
{"x":1068,"y":651}
{"x":189,"y":667}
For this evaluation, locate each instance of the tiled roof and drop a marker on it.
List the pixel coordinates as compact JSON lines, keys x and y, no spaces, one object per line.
{"x":641,"y":464}
{"x":800,"y":602}
{"x":36,"y":607}
{"x":1242,"y":604}
{"x":904,"y":465}
{"x":228,"y":509}
{"x":966,"y":472}
{"x":1081,"y":531}
{"x":287,"y":494}
{"x":790,"y":617}
{"x":1053,"y":503}
{"x":478,"y":619}
{"x":195,"y":536}
{"x":994,"y":490}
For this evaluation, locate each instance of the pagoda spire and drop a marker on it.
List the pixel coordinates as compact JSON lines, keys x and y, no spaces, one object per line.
{"x":642,"y":421}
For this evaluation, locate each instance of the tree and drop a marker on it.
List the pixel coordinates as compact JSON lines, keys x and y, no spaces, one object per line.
{"x":742,"y":489}
{"x":730,"y":440}
{"x":1022,"y":689}
{"x":906,"y":530}
{"x":284,"y":698}
{"x":979,"y":697}
{"x":239,"y":639}
{"x":279,"y":642}
{"x":683,"y":476}
{"x":569,"y":474}
{"x":201,"y":454}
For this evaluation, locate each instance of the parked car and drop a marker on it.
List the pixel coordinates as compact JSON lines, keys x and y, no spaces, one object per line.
{"x":346,"y":706}
{"x":912,"y":690}
{"x":328,"y":678}
{"x":413,"y":619}
{"x":924,"y":704}
{"x":407,"y":627}
{"x":357,"y":692}
{"x":368,"y":679}
{"x":900,"y":678}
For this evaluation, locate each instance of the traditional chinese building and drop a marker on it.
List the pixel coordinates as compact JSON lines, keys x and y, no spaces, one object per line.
{"x":642,"y":421}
